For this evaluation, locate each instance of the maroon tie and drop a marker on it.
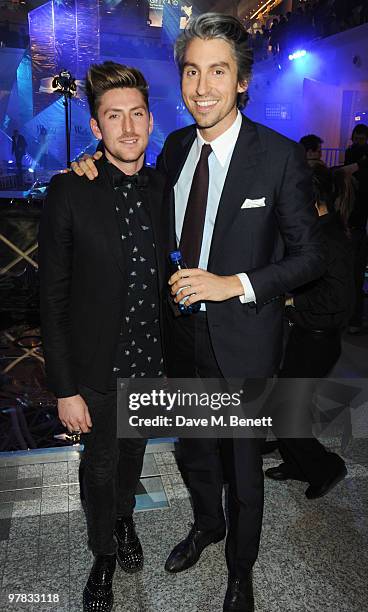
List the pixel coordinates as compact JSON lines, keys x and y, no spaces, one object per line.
{"x":195,"y":213}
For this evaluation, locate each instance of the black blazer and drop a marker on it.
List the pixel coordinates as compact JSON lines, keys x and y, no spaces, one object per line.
{"x":278,"y":245}
{"x":83,"y":277}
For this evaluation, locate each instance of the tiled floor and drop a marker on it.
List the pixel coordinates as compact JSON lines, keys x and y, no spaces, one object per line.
{"x":313,"y":555}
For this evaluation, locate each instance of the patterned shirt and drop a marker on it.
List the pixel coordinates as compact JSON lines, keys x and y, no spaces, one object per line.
{"x":139,"y":351}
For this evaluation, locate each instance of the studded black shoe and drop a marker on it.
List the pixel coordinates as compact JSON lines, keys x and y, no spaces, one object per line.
{"x":97,"y":594}
{"x":129,"y":553}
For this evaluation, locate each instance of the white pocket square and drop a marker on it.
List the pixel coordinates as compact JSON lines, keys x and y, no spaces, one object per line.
{"x":254,"y":203}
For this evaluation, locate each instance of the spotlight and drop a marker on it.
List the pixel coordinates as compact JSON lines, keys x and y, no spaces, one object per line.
{"x":297,"y":54}
{"x":31,"y":170}
{"x":65,"y":83}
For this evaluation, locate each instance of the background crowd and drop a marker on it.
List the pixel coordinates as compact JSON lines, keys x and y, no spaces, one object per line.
{"x":316,"y":19}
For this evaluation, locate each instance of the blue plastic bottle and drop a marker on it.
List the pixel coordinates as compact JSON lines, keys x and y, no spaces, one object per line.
{"x":178,"y":263}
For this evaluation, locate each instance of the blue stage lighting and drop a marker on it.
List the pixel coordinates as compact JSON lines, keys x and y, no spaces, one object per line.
{"x":31,"y":170}
{"x":297,"y":54}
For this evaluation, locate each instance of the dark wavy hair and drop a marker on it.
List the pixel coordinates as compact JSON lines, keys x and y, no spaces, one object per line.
{"x":216,"y":25}
{"x":344,"y":196}
{"x":323,"y":186}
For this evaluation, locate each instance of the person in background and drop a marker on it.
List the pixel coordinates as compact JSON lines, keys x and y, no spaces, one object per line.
{"x":344,"y":196}
{"x":266,"y":40}
{"x":44,"y":147}
{"x":358,"y":150}
{"x":313,"y":149}
{"x":274,"y":36}
{"x":19,"y":147}
{"x":356,"y":165}
{"x":318,"y":313}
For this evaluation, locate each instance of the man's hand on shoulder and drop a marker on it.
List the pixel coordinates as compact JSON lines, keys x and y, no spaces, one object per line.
{"x":203,"y":286}
{"x":86,"y":166}
{"x":74,"y":413}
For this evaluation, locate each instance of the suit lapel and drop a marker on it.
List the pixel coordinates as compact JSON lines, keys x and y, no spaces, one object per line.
{"x":108,"y":214}
{"x":154,"y":198}
{"x":176,"y":163}
{"x":247,"y":154}
{"x":175,"y":166}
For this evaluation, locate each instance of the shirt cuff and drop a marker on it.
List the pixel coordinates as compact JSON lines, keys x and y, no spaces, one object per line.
{"x":249,"y":295}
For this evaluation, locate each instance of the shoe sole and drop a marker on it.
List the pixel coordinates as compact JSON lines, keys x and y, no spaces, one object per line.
{"x":284,"y":479}
{"x":332,"y":485}
{"x":278,"y":479}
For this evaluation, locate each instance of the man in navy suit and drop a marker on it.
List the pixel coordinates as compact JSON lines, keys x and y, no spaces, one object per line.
{"x":258,"y":240}
{"x":239,"y":196}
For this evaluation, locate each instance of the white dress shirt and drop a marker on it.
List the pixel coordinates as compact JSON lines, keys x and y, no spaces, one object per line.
{"x":218,"y":164}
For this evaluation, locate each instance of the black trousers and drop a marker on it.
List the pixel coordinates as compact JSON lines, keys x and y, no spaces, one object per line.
{"x":311,"y":355}
{"x":359,"y":243}
{"x":110,"y":469}
{"x":205,"y":462}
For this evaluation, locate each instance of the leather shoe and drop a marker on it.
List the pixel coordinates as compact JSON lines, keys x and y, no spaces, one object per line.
{"x":282,"y":472}
{"x":129,"y":553}
{"x":186,"y":553}
{"x":313,"y":492}
{"x":97,"y":594}
{"x":239,"y":595}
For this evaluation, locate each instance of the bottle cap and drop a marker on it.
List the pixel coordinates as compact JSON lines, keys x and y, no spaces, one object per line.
{"x":175,"y":256}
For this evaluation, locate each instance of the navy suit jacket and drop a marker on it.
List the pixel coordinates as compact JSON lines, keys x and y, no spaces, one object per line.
{"x":278,"y":245}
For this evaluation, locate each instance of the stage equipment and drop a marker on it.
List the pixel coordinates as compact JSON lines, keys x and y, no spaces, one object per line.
{"x":66,"y":85}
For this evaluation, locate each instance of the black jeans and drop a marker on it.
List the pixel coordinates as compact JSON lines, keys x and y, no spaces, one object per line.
{"x":110,"y":470}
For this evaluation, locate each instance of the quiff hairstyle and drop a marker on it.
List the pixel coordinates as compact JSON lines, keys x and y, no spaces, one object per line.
{"x":216,"y":25}
{"x":110,"y":75}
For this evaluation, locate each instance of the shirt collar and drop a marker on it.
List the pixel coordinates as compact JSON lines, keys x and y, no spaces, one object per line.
{"x":223,"y":145}
{"x":113,"y":171}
